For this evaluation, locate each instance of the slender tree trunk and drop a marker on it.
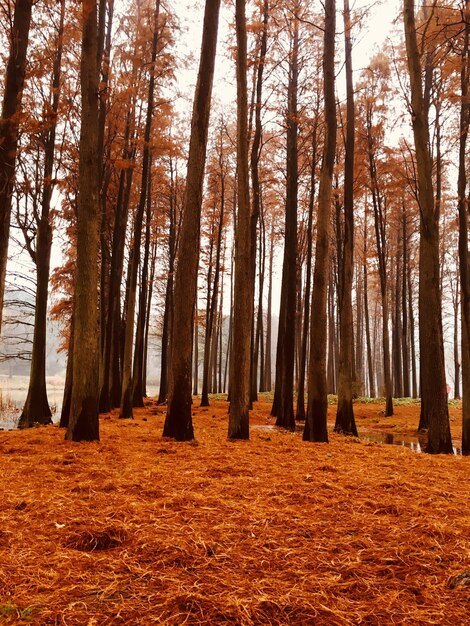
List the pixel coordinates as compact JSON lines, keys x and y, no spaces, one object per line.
{"x":67,"y":397}
{"x":104,"y":58}
{"x":256,"y":187}
{"x":212,"y":296}
{"x":404,"y":306}
{"x":221,"y":332}
{"x":83,"y":423}
{"x":36,"y":408}
{"x":331,"y":364}
{"x":300,"y":411}
{"x":9,"y":122}
{"x":381,"y":242}
{"x":153,"y":257}
{"x":433,"y":381}
{"x":268,"y":350}
{"x":345,"y":422}
{"x":456,"y":347}
{"x":110,"y":392}
{"x":258,"y":359}
{"x":397,"y":325}
{"x":285,"y":413}
{"x":238,"y":427}
{"x":127,"y":382}
{"x":464,"y":259}
{"x":370,"y":366}
{"x":196,"y":356}
{"x":359,"y":331}
{"x":414,"y":377}
{"x":317,"y":410}
{"x":168,"y":313}
{"x":138,"y":368}
{"x":178,"y":422}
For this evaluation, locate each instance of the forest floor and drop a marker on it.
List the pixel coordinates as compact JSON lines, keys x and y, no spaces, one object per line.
{"x":142,"y":530}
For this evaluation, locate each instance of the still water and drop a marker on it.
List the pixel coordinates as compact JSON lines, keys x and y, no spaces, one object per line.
{"x":416,"y":444}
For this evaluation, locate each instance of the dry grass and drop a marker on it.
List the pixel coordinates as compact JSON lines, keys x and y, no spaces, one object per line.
{"x":142,"y":530}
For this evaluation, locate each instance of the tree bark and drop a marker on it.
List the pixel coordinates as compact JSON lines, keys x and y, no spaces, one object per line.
{"x":9,"y":122}
{"x":139,"y":352}
{"x":464,"y":259}
{"x":345,"y":422}
{"x":317,"y":410}
{"x":83,"y":423}
{"x":381,"y":242}
{"x":36,"y":408}
{"x":433,"y":381}
{"x":286,"y":335}
{"x":300,"y":410}
{"x":178,"y":422}
{"x":127,"y":381}
{"x":238,"y":426}
{"x":404,"y":307}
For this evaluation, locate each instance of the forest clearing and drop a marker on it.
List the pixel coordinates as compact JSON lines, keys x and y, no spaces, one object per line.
{"x":140,"y":529}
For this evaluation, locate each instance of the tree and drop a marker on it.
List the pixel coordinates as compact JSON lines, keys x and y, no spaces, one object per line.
{"x":462,"y":200}
{"x":345,"y":414}
{"x":127,"y":381}
{"x":238,"y":426}
{"x":433,"y":382}
{"x":83,"y":423}
{"x":178,"y":422}
{"x":36,"y":408}
{"x":9,"y":123}
{"x":284,"y":409}
{"x":317,"y":408}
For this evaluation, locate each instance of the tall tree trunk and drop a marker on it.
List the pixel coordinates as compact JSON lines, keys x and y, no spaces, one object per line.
{"x":359,"y":356}
{"x":153,"y":257}
{"x":196,"y":356}
{"x":331,"y":363}
{"x":127,"y":382}
{"x":433,"y":380}
{"x":404,"y":307}
{"x":83,"y":423}
{"x":300,"y":410}
{"x":464,"y":258}
{"x":256,"y":187}
{"x":456,"y":305}
{"x":397,"y":325}
{"x":36,"y":408}
{"x":67,"y":396}
{"x":345,"y":422}
{"x":238,"y":426}
{"x":138,"y":367}
{"x":414,"y":378}
{"x":286,"y":333}
{"x":317,"y":410}
{"x":104,"y":59}
{"x":178,"y":422}
{"x":110,"y":392}
{"x":268,"y":350}
{"x":12,"y":96}
{"x":212,"y":296}
{"x":381,"y":242}
{"x":258,"y":358}
{"x":168,"y":313}
{"x":370,"y":366}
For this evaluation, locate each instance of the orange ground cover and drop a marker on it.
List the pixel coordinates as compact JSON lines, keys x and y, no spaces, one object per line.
{"x":142,"y":530}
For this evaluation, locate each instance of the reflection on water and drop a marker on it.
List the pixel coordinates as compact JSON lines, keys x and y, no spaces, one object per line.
{"x":417,"y":444}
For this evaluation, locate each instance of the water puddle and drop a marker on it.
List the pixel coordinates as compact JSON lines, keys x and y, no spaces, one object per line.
{"x":416,"y":444}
